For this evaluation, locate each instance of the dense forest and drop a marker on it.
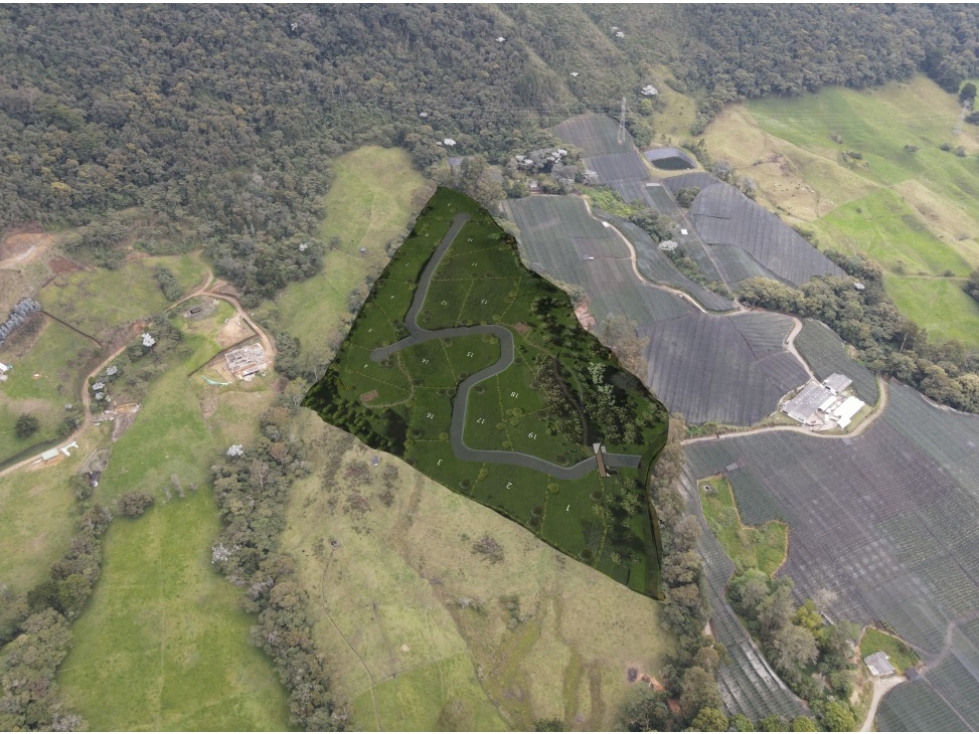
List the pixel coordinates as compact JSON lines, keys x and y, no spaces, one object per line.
{"x":219,"y":122}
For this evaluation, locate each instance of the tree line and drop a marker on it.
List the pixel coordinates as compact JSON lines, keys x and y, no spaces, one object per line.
{"x":886,"y":341}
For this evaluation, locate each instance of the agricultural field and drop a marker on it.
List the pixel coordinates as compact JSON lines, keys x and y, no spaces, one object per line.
{"x":826,"y":353}
{"x":456,"y":320}
{"x":914,"y":211}
{"x":49,"y":361}
{"x":726,"y":369}
{"x":96,"y":300}
{"x":747,"y":681}
{"x":556,"y":233}
{"x":430,"y":634}
{"x":374,"y":196}
{"x":886,"y":519}
{"x":763,"y":547}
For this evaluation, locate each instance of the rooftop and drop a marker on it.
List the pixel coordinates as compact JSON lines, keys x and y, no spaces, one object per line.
{"x":804,"y":405}
{"x":837,"y":382}
{"x":879,"y":664}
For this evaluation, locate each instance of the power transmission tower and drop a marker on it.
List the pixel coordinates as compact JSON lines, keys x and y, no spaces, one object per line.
{"x":622,"y":123}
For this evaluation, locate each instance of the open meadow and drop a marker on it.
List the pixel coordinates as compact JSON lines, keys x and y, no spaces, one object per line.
{"x":374,"y":196}
{"x":96,"y":300}
{"x":866,"y":171}
{"x":429,"y":633}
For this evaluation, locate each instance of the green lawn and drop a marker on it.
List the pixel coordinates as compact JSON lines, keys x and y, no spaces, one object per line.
{"x":609,"y":526}
{"x":96,"y":300}
{"x":939,"y":305}
{"x":764,"y":548}
{"x":163,"y":645}
{"x":901,"y":656}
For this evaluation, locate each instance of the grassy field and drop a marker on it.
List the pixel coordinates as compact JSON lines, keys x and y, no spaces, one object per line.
{"x":37,"y":518}
{"x":428,"y":635}
{"x":914,"y":212}
{"x":373,"y":198}
{"x":480,"y":280}
{"x":162,"y":645}
{"x":764,"y":547}
{"x":57,"y":355}
{"x":96,"y":300}
{"x":901,"y":656}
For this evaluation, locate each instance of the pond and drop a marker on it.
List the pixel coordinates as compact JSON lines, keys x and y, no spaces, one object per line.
{"x":670,"y":159}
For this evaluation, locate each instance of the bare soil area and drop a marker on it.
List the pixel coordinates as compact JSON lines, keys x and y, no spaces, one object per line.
{"x":234,"y":330}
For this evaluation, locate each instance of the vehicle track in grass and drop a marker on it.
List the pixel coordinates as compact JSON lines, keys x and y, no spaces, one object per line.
{"x":418,"y":335}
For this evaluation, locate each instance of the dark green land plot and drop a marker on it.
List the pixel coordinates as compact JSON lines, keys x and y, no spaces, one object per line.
{"x":506,"y":407}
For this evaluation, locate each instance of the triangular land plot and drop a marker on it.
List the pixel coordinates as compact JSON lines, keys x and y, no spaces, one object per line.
{"x":474,"y":370}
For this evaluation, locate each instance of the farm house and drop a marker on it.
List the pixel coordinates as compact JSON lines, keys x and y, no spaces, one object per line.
{"x":820,"y":404}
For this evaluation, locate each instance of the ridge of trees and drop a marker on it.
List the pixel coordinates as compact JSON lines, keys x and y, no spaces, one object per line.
{"x":251,"y":487}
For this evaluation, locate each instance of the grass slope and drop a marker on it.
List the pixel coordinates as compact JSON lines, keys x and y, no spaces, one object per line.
{"x":58,"y":356}
{"x":95,"y":300}
{"x":480,"y":280}
{"x":914,"y":212}
{"x":423,"y":631}
{"x":764,"y":547}
{"x":163,"y":645}
{"x":373,"y":198}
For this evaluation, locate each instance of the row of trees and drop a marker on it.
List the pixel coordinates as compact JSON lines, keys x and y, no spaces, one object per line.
{"x":251,"y":487}
{"x":886,"y":341}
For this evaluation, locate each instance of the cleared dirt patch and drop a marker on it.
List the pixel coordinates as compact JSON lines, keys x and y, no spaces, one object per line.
{"x":234,"y":330}
{"x":20,"y":248}
{"x":61,"y":265}
{"x":368,"y":396}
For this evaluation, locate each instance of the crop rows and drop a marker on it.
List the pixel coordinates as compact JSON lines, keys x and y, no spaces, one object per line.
{"x":557,"y":233}
{"x":729,"y":369}
{"x":621,"y":171}
{"x":826,"y":353}
{"x":889,"y":520}
{"x":725,"y":216}
{"x":594,"y":134}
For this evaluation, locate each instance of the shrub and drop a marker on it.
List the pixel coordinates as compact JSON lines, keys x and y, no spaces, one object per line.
{"x":134,"y":504}
{"x":26,"y":426}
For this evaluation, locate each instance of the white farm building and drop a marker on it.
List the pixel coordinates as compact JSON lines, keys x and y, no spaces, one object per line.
{"x":823,"y":404}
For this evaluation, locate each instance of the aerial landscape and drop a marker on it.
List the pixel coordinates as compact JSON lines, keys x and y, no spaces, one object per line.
{"x":489,"y":368}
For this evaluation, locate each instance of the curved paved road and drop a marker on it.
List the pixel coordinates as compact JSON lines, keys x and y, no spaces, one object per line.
{"x":419,"y":335}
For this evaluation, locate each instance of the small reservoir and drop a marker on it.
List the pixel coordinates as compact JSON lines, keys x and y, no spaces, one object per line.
{"x":670,"y":159}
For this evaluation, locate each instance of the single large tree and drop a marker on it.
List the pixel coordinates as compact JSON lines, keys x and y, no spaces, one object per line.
{"x":26,"y":426}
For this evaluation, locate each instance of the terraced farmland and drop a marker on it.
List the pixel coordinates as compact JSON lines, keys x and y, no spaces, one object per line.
{"x":729,"y":369}
{"x":595,"y":135}
{"x":888,"y":519}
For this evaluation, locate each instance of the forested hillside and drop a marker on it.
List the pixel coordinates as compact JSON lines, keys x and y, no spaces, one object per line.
{"x":220,"y":121}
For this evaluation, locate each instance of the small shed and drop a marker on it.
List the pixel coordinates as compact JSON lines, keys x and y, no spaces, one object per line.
{"x":879,"y":664}
{"x":837,"y":382}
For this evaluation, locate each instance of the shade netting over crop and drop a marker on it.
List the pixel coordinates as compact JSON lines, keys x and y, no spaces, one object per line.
{"x":728,"y":369}
{"x":889,"y":520}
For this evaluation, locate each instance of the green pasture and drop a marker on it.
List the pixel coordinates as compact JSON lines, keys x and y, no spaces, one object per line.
{"x":764,"y":547}
{"x":901,"y":656}
{"x":371,"y":201}
{"x":163,"y":644}
{"x":939,"y":305}
{"x":915,"y":212}
{"x":96,"y":300}
{"x":422,"y":638}
{"x":58,"y":356}
{"x":37,"y":519}
{"x":508,"y":412}
{"x":883,"y":227}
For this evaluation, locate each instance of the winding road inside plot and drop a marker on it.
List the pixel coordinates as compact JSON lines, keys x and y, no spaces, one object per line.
{"x":418,"y":335}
